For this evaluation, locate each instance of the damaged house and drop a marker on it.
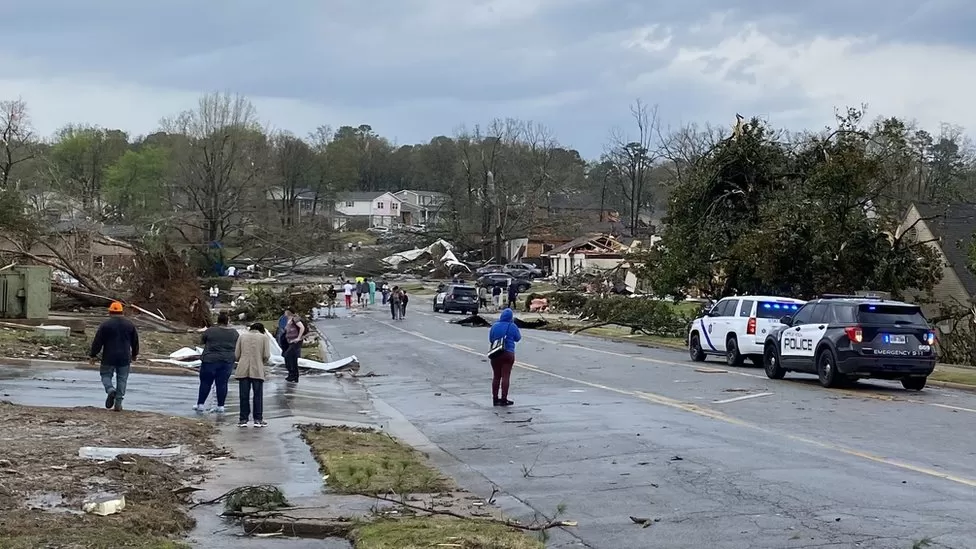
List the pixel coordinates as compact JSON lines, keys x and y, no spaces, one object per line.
{"x":593,"y":254}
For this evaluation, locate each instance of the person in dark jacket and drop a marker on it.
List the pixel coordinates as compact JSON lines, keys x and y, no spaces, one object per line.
{"x":217,"y":362}
{"x":118,"y":342}
{"x":295,"y":332}
{"x":502,"y":363}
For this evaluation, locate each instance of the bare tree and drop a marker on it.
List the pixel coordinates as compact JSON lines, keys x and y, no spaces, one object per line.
{"x":634,"y":157}
{"x":17,"y":139}
{"x":222,"y":157}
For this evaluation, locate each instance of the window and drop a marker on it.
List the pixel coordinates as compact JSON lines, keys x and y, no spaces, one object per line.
{"x":350,"y":204}
{"x":820,"y":313}
{"x":379,"y":205}
{"x":723,"y":308}
{"x":842,"y":314}
{"x":394,"y":205}
{"x":730,"y":308}
{"x":746,"y":309}
{"x":804,"y":315}
{"x":771,"y":309}
{"x":99,"y":261}
{"x":890,"y":314}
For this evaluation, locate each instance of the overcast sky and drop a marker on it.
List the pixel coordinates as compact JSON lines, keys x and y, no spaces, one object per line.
{"x":414,"y":69}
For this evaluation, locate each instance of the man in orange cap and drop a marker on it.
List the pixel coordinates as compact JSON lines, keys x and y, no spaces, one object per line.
{"x":118,"y":342}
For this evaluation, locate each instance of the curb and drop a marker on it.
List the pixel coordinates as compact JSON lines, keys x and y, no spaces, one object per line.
{"x":76,"y":365}
{"x":951,"y":385}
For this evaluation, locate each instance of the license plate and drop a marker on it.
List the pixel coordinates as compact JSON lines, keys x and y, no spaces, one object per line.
{"x":896,"y":339}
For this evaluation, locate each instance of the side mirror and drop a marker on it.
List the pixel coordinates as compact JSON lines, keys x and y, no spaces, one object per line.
{"x":788,"y":320}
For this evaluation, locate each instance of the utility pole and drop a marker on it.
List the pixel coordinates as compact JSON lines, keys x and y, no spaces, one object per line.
{"x":498,"y":216}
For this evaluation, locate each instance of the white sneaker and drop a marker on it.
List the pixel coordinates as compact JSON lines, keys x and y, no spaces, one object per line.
{"x":243,"y":424}
{"x":260,"y":423}
{"x":198,"y":407}
{"x":217,"y":410}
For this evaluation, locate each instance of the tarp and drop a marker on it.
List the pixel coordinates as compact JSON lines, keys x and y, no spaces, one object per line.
{"x":190,"y":358}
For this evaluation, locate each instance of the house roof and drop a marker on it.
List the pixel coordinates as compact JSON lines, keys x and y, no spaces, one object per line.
{"x":358,"y":196}
{"x":424,"y":193}
{"x":593,"y":244}
{"x":113,"y":231}
{"x":954,"y":226}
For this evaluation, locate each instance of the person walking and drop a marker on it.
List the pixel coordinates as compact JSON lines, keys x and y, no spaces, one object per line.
{"x":348,"y":289}
{"x":482,"y":297}
{"x":385,"y":291}
{"x":371,"y":288}
{"x":330,"y":298}
{"x":280,"y":332}
{"x":403,"y":304}
{"x":496,"y":297}
{"x":360,"y":290}
{"x":513,"y":295}
{"x":214,"y":296}
{"x":117,"y":340}
{"x":217,"y":362}
{"x":253,"y":351}
{"x":295,"y":332}
{"x":504,"y":334}
{"x":395,"y":302}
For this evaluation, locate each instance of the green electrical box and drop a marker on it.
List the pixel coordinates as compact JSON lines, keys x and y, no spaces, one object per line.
{"x":25,"y":292}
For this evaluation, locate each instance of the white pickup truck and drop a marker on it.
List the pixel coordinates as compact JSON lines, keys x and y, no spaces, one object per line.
{"x":736,"y":327}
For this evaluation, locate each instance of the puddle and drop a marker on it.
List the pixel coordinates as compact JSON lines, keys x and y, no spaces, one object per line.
{"x":49,"y":501}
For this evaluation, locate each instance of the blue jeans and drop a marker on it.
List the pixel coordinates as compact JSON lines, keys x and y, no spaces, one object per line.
{"x":212,"y":373}
{"x":121,"y":374}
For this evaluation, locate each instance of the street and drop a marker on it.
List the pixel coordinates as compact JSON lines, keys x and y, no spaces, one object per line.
{"x":719,"y":457}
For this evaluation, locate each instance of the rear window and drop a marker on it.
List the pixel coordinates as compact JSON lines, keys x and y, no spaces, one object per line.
{"x":890,"y":314}
{"x":772,"y":309}
{"x":458,"y":290}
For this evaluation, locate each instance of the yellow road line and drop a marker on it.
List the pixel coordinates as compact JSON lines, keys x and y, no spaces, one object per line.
{"x":715,"y":414}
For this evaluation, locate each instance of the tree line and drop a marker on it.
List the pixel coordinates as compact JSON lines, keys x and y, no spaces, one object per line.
{"x":751,"y":208}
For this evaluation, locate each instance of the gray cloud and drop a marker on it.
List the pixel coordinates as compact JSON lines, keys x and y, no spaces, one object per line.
{"x":418,"y":68}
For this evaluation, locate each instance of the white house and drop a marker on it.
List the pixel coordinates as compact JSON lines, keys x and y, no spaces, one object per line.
{"x":379,"y":209}
{"x":421,"y":206}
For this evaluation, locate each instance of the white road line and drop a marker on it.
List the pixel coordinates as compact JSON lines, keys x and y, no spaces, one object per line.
{"x":950,"y":407}
{"x":743,"y":397}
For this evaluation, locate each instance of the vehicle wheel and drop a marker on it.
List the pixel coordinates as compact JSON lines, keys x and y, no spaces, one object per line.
{"x":732,"y":356}
{"x":771,"y":363}
{"x":827,"y":370}
{"x":914,"y":383}
{"x":695,"y":349}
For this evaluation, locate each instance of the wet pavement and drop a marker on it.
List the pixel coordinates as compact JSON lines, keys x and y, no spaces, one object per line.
{"x":722,"y":458}
{"x":273,"y":455}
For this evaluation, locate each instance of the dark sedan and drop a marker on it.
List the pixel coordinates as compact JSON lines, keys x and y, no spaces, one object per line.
{"x":503,"y":280}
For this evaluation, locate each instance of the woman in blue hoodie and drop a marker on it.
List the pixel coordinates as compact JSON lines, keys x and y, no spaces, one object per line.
{"x":502,"y":363}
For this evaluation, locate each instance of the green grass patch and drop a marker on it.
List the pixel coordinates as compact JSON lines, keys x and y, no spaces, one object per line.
{"x":363,"y":461}
{"x":425,"y":532}
{"x":949,"y":374}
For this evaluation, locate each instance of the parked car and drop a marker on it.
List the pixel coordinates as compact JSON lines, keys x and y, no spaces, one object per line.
{"x":844,"y":338}
{"x":503,"y":280}
{"x":457,"y":297}
{"x":378,"y":230}
{"x":531,"y":270}
{"x":736,"y":327}
{"x":490,"y":268}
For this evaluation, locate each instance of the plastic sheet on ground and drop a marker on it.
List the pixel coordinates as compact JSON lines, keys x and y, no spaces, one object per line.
{"x":105,"y":454}
{"x":190,"y":358}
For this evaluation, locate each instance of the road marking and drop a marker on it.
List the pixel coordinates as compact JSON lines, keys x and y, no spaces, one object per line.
{"x":715,"y":414}
{"x":743,"y":397}
{"x":950,"y":407}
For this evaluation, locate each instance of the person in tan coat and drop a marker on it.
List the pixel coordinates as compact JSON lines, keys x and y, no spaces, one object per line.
{"x":253,"y":352}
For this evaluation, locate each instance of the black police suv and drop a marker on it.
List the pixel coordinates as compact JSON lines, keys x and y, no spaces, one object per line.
{"x":845,"y":338}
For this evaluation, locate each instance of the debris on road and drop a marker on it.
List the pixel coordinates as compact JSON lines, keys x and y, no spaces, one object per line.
{"x":104,"y":506}
{"x":105,"y":454}
{"x":478,"y":321}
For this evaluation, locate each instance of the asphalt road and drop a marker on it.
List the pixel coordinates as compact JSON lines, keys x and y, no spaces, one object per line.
{"x":720,"y":458}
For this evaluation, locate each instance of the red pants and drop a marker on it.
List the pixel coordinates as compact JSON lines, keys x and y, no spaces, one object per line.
{"x":501,"y":366}
{"x":349,"y":302}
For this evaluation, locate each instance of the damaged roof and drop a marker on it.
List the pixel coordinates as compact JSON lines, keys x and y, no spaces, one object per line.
{"x":598,"y":244}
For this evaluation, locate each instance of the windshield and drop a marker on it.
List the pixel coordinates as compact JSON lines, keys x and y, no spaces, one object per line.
{"x":459,"y":290}
{"x":772,"y":309}
{"x":890,"y":314}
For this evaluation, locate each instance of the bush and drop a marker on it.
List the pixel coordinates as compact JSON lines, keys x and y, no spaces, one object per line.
{"x":571,"y":302}
{"x":264,"y":303}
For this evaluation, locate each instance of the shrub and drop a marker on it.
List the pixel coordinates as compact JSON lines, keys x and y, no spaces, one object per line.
{"x":652,"y":316}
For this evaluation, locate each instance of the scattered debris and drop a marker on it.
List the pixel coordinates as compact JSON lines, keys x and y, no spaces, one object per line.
{"x":644,"y":522}
{"x":104,"y":506}
{"x":105,"y":454}
{"x":711,"y":371}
